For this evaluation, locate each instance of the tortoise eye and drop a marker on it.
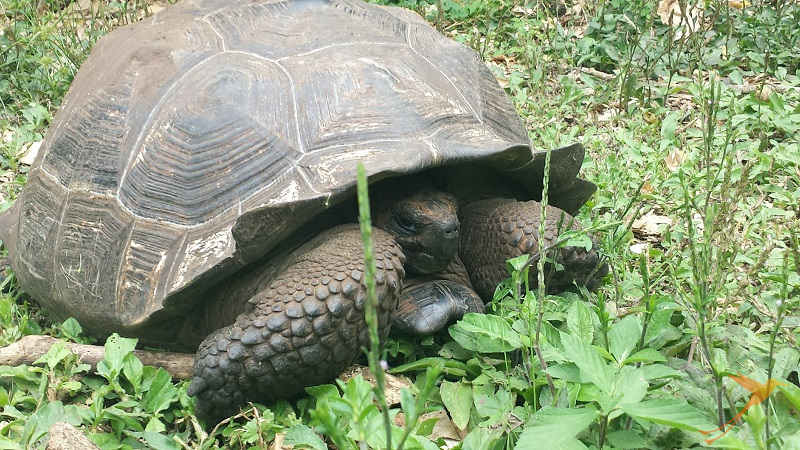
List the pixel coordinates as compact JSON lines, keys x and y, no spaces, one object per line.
{"x":405,"y":223}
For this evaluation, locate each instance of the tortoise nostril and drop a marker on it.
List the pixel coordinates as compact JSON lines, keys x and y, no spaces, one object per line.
{"x":450,"y":229}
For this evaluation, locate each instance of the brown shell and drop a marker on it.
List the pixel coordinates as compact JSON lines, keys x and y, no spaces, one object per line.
{"x":193,"y":142}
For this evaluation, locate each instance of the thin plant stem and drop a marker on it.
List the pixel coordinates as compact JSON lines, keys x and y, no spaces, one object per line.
{"x":782,"y":303}
{"x":371,"y":305}
{"x":540,"y":274}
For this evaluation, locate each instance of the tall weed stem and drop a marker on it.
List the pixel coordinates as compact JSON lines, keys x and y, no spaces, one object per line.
{"x":540,"y":274}
{"x":371,"y":306}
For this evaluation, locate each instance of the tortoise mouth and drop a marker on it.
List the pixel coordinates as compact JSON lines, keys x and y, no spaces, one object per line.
{"x":423,"y":263}
{"x":425,"y":260}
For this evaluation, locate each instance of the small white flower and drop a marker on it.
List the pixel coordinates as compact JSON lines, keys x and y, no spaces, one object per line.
{"x":384,"y":365}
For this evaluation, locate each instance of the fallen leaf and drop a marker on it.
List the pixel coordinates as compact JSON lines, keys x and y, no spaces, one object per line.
{"x":521,"y":11}
{"x":738,"y":4}
{"x":277,"y":443}
{"x":674,"y":160}
{"x":393,"y":384}
{"x":686,"y":19}
{"x":763,"y":94}
{"x":651,"y":225}
{"x":699,"y":225}
{"x":444,"y":427}
{"x":28,"y":155}
{"x":607,"y":115}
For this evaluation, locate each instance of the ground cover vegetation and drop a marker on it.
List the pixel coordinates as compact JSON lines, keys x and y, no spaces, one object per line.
{"x":690,"y":113}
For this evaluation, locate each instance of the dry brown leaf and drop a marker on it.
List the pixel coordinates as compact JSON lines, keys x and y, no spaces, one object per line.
{"x":28,"y":156}
{"x":521,"y":11}
{"x":674,"y":160}
{"x":607,"y":115}
{"x":684,"y":20}
{"x":738,"y":4}
{"x":651,"y":225}
{"x":764,"y":93}
{"x":394,"y":384}
{"x":699,"y":225}
{"x":444,"y":427}
{"x":277,"y":443}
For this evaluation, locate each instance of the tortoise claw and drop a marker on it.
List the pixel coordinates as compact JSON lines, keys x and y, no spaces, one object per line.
{"x":428,"y":307}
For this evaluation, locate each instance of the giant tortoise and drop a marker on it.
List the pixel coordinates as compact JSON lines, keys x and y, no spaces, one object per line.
{"x":196,"y":189}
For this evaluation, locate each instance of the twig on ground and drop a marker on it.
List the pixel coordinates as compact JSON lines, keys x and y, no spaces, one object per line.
{"x":596,"y":73}
{"x":30,"y":348}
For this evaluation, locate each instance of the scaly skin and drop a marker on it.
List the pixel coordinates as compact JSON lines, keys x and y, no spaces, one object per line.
{"x":303,"y":329}
{"x":495,"y":230}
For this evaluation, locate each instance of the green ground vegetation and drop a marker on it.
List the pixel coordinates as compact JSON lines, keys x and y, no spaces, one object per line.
{"x":691,"y":120}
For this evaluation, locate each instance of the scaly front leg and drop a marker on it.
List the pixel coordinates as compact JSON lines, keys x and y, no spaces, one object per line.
{"x":303,"y":329}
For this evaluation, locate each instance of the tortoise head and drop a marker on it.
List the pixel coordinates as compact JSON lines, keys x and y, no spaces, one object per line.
{"x":425,"y":224}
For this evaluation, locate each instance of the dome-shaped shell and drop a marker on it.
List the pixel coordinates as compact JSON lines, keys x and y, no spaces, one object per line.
{"x":192,"y":142}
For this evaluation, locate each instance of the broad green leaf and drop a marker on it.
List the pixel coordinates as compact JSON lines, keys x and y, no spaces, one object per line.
{"x":124,"y":419}
{"x":668,"y":127}
{"x":627,"y":439}
{"x":660,"y":330}
{"x":485,"y":333}
{"x":631,"y":384}
{"x":155,"y":425}
{"x":579,"y":321}
{"x":105,"y":440}
{"x":516,"y":264}
{"x":495,"y":407}
{"x":720,"y":358}
{"x":457,"y":398}
{"x":27,"y":376}
{"x":408,"y":404}
{"x":71,"y":328}
{"x":7,"y":444}
{"x":554,"y":427}
{"x":591,"y":365}
{"x":301,"y":436}
{"x":792,"y":394}
{"x":116,"y":349}
{"x":646,"y":355}
{"x":132,"y":368}
{"x":160,"y":394}
{"x":623,"y":337}
{"x":425,"y":427}
{"x":730,"y":441}
{"x":756,"y":419}
{"x":566,"y":372}
{"x":671,"y":412}
{"x":57,"y":352}
{"x":323,"y":391}
{"x":577,"y":239}
{"x":653,"y":371}
{"x":450,"y":366}
{"x":40,"y":422}
{"x":156,"y":441}
{"x":480,"y":439}
{"x":786,"y":360}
